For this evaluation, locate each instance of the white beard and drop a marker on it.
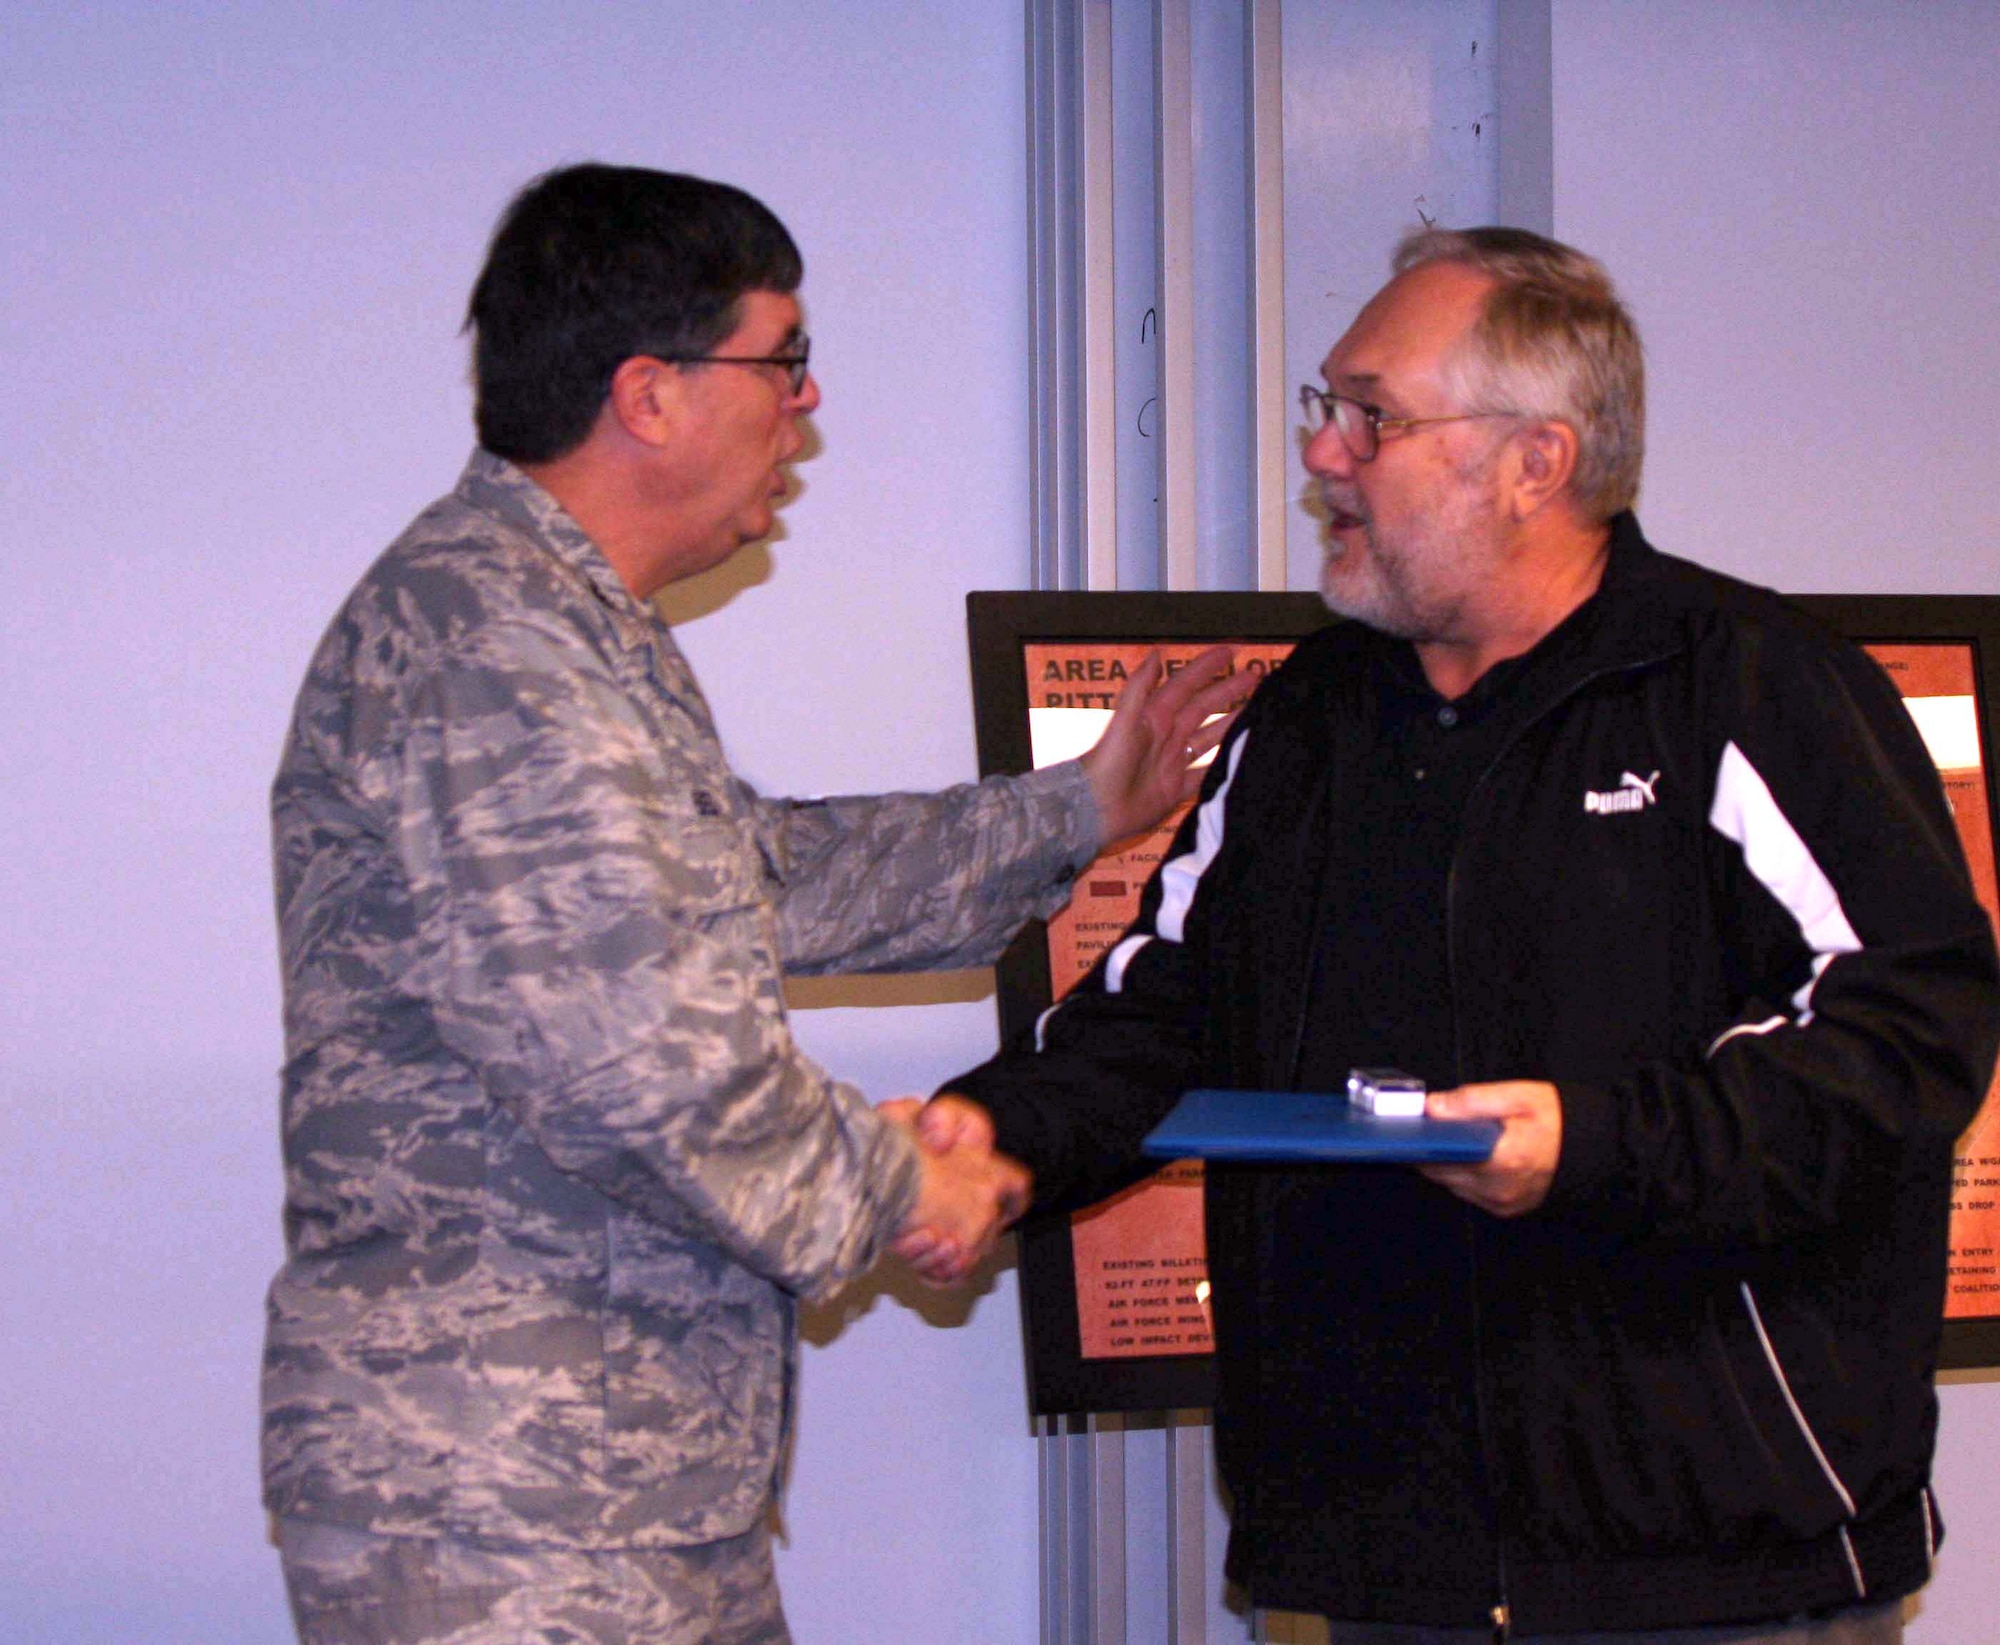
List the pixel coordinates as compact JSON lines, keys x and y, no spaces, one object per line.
{"x":1413,"y":582}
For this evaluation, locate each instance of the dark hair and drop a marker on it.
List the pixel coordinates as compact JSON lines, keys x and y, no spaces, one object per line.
{"x":593,"y":264}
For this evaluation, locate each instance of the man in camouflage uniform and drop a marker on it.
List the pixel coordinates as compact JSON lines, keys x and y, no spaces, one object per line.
{"x":556,"y":1171}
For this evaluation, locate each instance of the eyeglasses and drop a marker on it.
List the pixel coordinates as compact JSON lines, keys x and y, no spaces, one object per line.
{"x":1361,"y":425}
{"x":793,"y":360}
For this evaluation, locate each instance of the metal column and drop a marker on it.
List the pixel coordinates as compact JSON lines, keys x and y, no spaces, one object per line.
{"x":1074,"y":176}
{"x":1082,"y":1470}
{"x":1271,"y":415}
{"x":1173,"y":172}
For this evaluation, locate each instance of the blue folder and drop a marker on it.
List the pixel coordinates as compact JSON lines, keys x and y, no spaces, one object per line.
{"x":1308,"y":1125}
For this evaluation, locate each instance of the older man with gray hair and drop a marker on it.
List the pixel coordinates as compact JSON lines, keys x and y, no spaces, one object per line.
{"x":1644,"y":865}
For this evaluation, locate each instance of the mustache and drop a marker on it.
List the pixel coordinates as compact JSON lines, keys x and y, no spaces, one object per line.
{"x":1327,"y":502}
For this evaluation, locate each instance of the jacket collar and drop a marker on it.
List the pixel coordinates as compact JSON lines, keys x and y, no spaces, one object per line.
{"x":1631,"y":621}
{"x":1634,"y":617}
{"x":495,"y":486}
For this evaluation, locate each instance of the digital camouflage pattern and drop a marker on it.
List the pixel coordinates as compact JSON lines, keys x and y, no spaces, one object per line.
{"x":555,"y":1168}
{"x":351,"y":1587}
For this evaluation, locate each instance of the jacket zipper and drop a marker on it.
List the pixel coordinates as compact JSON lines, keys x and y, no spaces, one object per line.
{"x":1501,"y":1613}
{"x":1481,"y":1407}
{"x":1482,"y":1416}
{"x":1311,"y":968}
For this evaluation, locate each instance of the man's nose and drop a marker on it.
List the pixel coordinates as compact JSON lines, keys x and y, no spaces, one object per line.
{"x":807,"y":398}
{"x":1326,"y":453}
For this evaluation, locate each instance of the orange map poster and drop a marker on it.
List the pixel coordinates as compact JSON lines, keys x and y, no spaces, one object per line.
{"x":1939,"y":683}
{"x":1142,"y":1275}
{"x":1141,"y":1260}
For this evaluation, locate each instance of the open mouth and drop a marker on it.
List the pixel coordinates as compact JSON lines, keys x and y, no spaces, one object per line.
{"x":1333,"y":511}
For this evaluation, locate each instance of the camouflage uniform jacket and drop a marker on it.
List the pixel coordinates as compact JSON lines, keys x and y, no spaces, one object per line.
{"x":555,"y":1168}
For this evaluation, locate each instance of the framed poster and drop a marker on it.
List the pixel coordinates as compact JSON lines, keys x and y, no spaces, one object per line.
{"x":1943,"y":652}
{"x":1114,"y":1298}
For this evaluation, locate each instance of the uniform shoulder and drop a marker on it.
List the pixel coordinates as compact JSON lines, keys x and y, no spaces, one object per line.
{"x":456,"y":573}
{"x":453,"y":568}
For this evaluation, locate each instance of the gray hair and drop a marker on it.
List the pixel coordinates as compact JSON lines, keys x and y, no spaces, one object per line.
{"x":1553,"y":342}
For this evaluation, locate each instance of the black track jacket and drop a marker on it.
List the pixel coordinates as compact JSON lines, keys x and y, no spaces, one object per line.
{"x":1711,"y":889}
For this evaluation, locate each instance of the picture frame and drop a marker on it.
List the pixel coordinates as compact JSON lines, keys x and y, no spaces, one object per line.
{"x":1143,"y":1352}
{"x":1927,"y":642}
{"x":1091,"y":639}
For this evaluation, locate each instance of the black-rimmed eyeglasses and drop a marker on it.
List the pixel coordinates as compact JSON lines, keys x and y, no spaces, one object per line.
{"x":1361,"y":425}
{"x":793,"y":360}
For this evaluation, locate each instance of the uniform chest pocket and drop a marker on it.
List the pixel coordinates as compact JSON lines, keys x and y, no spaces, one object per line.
{"x":706,"y":851}
{"x":709,"y":864}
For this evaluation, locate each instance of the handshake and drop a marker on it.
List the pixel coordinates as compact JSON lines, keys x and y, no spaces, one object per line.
{"x":970,"y":1192}
{"x":1148,"y":761}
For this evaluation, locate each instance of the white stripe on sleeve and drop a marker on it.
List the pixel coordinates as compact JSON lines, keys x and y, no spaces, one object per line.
{"x":1770,"y":1025}
{"x":1745,"y":812}
{"x":1179,"y":878}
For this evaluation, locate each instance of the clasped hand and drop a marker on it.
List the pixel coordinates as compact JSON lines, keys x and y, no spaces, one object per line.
{"x":1144,"y":765}
{"x":970,"y":1192}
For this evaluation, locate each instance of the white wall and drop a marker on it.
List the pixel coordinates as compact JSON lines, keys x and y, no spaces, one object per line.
{"x":235,"y":243}
{"x":1391,"y":114}
{"x":1801,"y":206}
{"x":234,"y":247}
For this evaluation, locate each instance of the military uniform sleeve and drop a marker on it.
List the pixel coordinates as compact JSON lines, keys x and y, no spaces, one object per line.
{"x":915,"y":882}
{"x":597,"y":940}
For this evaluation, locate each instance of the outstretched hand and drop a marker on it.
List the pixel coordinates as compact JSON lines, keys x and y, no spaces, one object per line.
{"x":969,"y":1193}
{"x":1143,"y":766}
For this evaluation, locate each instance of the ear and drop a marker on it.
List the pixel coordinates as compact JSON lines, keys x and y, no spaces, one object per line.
{"x":647,"y":399}
{"x":1545,"y":464}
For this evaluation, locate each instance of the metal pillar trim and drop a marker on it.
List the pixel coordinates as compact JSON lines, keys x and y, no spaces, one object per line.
{"x":1173,"y":159}
{"x":1270,"y":412}
{"x":1080,"y":1466}
{"x":1527,"y":135}
{"x":1097,"y":297}
{"x":1104,"y":1442}
{"x":1187,"y":1537}
{"x":1072,"y":417}
{"x":1083,"y":1461}
{"x":1052,"y":374}
{"x":1053,"y":1522}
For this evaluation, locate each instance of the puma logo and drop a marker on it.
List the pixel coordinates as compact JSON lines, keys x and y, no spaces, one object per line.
{"x":1631,"y":794}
